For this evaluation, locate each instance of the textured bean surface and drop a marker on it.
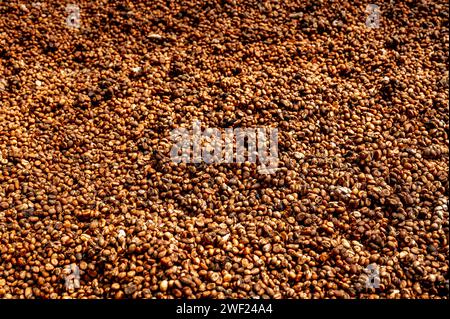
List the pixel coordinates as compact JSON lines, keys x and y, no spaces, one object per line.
{"x":91,"y":205}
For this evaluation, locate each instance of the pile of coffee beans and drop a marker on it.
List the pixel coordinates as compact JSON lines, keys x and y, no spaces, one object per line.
{"x":92,"y":206}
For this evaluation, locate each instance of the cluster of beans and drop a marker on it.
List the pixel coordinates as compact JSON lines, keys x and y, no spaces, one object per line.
{"x":92,"y":206}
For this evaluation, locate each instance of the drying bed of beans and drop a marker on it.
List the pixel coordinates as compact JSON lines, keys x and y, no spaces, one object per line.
{"x":90,"y":196}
